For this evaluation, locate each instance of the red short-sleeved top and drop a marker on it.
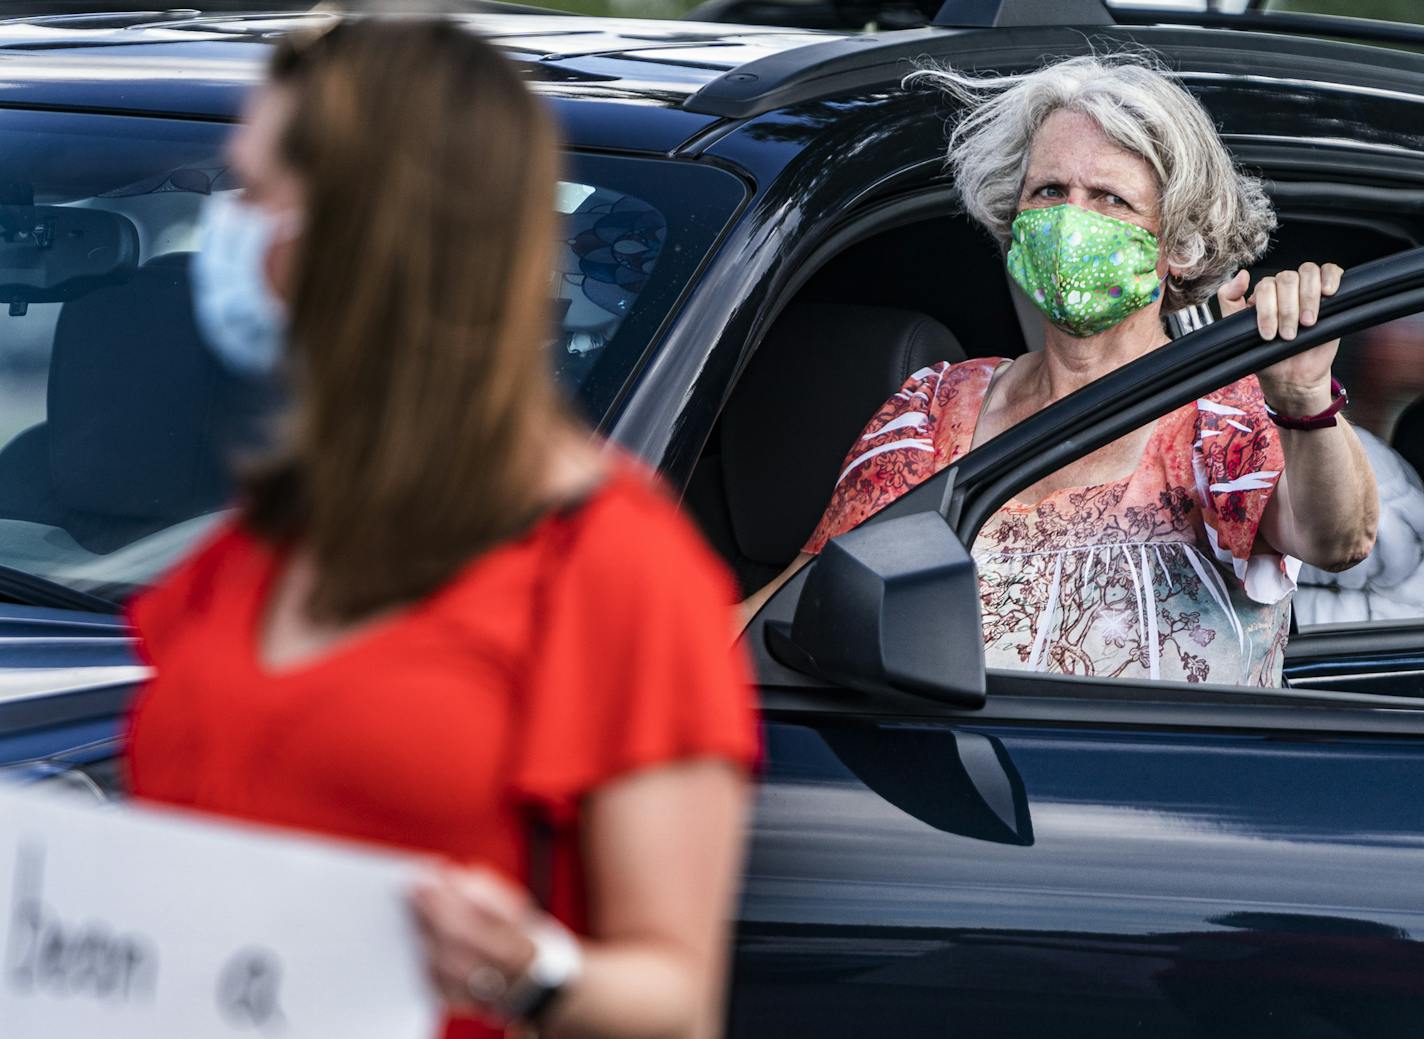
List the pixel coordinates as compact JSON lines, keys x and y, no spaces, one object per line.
{"x":596,"y":644}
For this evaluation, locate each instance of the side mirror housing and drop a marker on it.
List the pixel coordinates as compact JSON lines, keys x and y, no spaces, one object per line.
{"x":891,"y":607}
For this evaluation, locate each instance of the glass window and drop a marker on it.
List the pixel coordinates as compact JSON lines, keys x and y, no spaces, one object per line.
{"x":114,"y":420}
{"x":611,"y":246}
{"x":117,"y":426}
{"x":636,"y":230}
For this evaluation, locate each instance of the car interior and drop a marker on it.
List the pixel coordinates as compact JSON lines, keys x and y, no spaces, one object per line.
{"x":119,"y":429}
{"x":127,"y":426}
{"x":110,"y":475}
{"x":925,"y":292}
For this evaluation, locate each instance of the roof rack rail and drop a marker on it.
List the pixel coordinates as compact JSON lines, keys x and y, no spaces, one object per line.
{"x":806,"y":72}
{"x":1332,"y":25}
{"x":1002,"y":14}
{"x":851,"y":61}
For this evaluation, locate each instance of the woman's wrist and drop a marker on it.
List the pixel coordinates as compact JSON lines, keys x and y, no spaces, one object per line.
{"x":1297,"y":399}
{"x":555,"y":967}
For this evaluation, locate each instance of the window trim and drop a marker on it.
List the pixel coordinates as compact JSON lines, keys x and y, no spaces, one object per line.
{"x":1319,"y":655}
{"x":1158,"y":383}
{"x":1029,"y":700}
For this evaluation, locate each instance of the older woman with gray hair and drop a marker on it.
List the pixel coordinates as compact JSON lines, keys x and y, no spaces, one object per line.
{"x":1173,"y":552}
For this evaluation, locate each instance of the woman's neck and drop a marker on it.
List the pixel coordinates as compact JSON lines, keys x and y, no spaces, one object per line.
{"x":1069,"y":363}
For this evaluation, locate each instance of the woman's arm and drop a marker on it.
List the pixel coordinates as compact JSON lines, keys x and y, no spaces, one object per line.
{"x":662,"y":854}
{"x":748,"y":607}
{"x":1326,"y":507}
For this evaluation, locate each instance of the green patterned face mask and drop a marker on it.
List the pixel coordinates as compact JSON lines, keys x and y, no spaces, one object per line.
{"x":1086,"y":271}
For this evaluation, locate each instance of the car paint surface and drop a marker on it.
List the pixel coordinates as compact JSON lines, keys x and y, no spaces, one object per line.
{"x":1173,"y":883}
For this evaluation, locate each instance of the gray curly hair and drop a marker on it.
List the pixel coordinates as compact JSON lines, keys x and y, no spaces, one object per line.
{"x":1214,"y":218}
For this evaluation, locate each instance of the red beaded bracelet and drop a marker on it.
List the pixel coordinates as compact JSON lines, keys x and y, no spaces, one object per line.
{"x":1324,"y":420}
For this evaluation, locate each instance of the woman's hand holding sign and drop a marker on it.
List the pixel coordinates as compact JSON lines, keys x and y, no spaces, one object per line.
{"x":476,"y":927}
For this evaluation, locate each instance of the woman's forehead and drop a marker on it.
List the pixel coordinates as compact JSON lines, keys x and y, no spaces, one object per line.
{"x":1071,"y":146}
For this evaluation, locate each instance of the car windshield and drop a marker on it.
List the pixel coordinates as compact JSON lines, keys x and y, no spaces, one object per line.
{"x":118,"y":428}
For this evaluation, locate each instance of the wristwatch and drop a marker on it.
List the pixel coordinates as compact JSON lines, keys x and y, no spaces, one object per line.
{"x":557,"y":963}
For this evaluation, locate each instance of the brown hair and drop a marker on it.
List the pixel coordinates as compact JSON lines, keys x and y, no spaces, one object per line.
{"x":418,"y":321}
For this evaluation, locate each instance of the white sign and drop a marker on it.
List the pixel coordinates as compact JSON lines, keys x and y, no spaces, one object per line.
{"x":138,"y":923}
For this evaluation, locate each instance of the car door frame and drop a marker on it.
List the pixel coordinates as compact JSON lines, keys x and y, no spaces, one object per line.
{"x":968,"y":492}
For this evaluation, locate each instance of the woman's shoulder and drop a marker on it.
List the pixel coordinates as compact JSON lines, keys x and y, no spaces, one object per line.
{"x":206,"y":575}
{"x":611,"y":561}
{"x":630,"y":537}
{"x":936,"y":391}
{"x":227,"y":544}
{"x":955,"y":373}
{"x":636,"y":665}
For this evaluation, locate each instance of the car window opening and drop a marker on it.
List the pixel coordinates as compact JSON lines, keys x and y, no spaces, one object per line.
{"x":900,"y":294}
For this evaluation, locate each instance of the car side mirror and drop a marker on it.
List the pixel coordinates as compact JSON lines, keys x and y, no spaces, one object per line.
{"x":891,"y":606}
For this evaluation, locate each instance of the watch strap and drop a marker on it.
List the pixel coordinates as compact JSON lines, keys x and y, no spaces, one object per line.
{"x":1322,"y":420}
{"x":557,"y":963}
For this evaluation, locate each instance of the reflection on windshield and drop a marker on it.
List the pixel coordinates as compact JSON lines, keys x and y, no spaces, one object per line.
{"x":611,"y":243}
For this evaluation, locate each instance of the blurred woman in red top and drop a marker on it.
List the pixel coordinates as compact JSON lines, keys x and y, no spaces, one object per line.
{"x":444,"y":620}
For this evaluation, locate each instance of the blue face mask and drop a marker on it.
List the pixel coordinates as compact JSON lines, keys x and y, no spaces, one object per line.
{"x":242,"y":320}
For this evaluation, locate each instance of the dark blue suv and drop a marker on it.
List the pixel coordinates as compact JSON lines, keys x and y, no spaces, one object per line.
{"x":760,"y":244}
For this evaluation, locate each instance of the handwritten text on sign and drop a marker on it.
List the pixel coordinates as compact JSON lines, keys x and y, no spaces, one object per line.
{"x":147,"y":924}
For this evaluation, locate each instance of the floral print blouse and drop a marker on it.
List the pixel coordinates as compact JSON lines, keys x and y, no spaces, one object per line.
{"x":1156,"y":575}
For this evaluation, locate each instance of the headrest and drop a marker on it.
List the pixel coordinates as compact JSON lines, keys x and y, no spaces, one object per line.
{"x":132,"y":389}
{"x":1408,"y":436}
{"x":813,"y":384}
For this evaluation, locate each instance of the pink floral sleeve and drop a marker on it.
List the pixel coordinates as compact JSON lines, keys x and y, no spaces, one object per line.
{"x":1237,"y":460}
{"x":927,"y":424}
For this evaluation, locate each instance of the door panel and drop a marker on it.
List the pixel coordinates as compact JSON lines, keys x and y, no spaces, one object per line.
{"x":1382,"y":657}
{"x":1176,"y":883}
{"x":66,"y":679}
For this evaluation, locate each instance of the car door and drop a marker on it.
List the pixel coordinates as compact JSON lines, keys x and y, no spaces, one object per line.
{"x":65,"y":678}
{"x":1080,"y":856}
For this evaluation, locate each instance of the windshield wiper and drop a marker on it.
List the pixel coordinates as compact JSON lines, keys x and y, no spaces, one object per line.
{"x":33,"y":590}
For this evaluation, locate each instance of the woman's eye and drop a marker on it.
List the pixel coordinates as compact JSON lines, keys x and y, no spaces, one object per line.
{"x":1049,"y":191}
{"x":1116,"y":200}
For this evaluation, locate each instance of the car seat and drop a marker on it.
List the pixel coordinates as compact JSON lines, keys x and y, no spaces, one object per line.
{"x":817,"y":378}
{"x":1408,"y":436}
{"x":135,"y":434}
{"x":1389,"y":583}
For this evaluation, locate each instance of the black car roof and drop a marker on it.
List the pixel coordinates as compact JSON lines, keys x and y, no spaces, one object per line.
{"x":620,"y":84}
{"x":200,"y":67}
